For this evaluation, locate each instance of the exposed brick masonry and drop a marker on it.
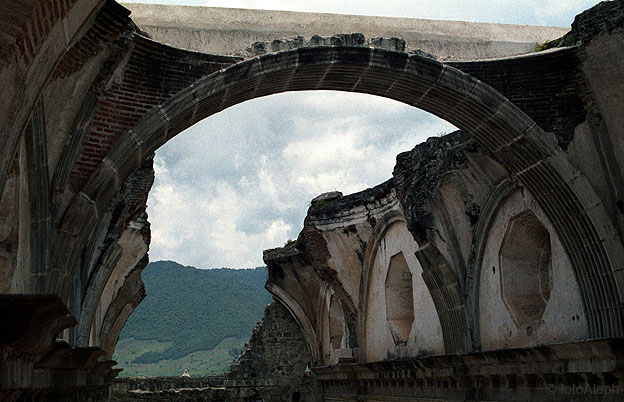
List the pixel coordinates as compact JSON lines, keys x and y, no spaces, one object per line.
{"x":544,"y":86}
{"x":28,"y":23}
{"x":154,"y":73}
{"x":111,"y":24}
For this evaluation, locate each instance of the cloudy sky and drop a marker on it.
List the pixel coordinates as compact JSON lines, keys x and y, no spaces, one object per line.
{"x":221,"y":209}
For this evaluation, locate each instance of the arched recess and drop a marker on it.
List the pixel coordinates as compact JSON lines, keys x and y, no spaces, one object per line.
{"x":373,"y":296}
{"x":399,"y":295}
{"x":336,"y":323}
{"x":525,"y":262}
{"x":334,"y":331}
{"x":513,"y":310}
{"x":512,"y":138}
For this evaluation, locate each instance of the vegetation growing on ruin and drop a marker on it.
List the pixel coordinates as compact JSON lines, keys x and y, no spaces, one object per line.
{"x":540,"y":47}
{"x":188,"y":310}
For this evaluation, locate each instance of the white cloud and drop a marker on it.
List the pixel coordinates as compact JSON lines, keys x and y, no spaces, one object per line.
{"x":560,"y":12}
{"x":194,"y":227}
{"x":241,"y":181}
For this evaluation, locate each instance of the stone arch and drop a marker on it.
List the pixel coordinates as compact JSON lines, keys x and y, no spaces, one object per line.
{"x":308,"y":329}
{"x":120,"y":262}
{"x":446,"y":292}
{"x":504,"y":130}
{"x":128,"y":298}
{"x":89,"y":305}
{"x":488,"y":213}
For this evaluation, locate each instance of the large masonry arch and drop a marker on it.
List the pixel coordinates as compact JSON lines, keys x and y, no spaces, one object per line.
{"x":513,"y":138}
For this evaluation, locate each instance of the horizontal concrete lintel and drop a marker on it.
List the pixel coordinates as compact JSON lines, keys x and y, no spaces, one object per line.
{"x":185,"y":26}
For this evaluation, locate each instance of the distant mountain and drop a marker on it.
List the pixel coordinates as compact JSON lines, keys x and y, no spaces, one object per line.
{"x":191,"y":317}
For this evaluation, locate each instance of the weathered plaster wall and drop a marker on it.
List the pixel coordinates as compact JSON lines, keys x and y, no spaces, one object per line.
{"x":602,"y":69}
{"x":585,"y":155}
{"x":347,"y":235}
{"x":563,"y":320}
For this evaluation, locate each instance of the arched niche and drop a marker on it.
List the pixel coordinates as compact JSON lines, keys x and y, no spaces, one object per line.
{"x":333,"y":329}
{"x":336,"y":323}
{"x":399,"y":316}
{"x":525,"y":268}
{"x":527,"y":292}
{"x":399,"y":299}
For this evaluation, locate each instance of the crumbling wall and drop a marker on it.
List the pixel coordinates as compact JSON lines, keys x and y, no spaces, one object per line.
{"x":154,"y":384}
{"x":273,"y":365}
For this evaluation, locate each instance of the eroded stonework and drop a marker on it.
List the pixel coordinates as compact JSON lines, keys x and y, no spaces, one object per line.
{"x":274,"y":364}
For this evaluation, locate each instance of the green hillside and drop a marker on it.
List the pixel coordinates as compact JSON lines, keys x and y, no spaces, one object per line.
{"x":191,"y":318}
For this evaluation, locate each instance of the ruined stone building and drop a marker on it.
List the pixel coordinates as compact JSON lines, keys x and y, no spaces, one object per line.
{"x":489,"y":267}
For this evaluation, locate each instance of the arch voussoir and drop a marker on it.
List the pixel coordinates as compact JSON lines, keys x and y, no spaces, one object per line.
{"x":513,"y":138}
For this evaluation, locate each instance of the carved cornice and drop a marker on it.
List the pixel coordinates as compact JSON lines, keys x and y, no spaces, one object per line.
{"x":513,"y":374}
